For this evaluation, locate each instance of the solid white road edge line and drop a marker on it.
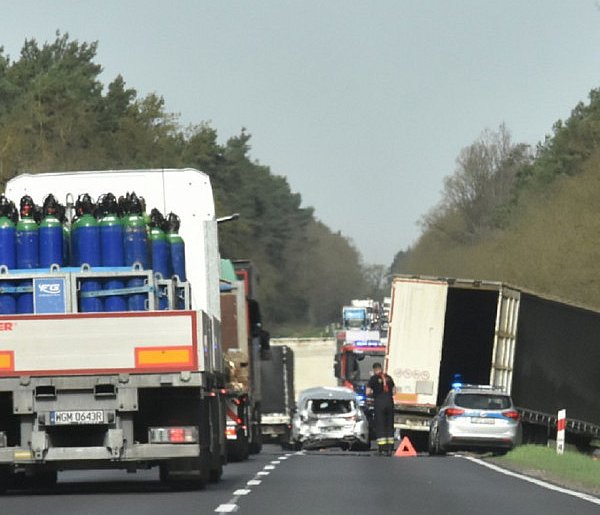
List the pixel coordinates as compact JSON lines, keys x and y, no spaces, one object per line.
{"x":539,"y":482}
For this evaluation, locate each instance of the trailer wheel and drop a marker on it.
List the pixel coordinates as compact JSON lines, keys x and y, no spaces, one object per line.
{"x":216,"y":474}
{"x":46,"y":479}
{"x":5,"y":477}
{"x":256,"y":444}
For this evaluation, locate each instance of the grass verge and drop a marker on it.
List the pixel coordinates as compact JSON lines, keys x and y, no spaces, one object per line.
{"x":572,"y":469}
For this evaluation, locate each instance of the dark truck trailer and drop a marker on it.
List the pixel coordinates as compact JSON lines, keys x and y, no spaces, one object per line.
{"x":542,"y":351}
{"x":277,"y":377}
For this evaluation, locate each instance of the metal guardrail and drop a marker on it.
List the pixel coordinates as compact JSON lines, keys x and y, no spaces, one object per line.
{"x":574,"y":426}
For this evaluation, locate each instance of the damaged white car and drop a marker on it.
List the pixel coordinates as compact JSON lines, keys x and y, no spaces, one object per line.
{"x":330,"y":417}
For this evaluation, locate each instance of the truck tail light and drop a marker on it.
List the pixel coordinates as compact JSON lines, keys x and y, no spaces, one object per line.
{"x":512,"y":414}
{"x":231,"y":433}
{"x":177,"y":434}
{"x":454,"y":412}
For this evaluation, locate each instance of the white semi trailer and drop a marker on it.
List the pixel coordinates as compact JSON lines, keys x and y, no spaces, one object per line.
{"x":542,"y":351}
{"x":123,"y":390}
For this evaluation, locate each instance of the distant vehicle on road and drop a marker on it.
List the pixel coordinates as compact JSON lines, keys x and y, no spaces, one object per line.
{"x":475,"y":417}
{"x":330,"y":417}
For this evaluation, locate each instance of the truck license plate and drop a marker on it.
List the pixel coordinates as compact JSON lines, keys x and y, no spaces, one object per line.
{"x":58,"y":418}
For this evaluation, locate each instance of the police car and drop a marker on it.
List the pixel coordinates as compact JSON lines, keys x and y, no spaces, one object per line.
{"x":475,"y":417}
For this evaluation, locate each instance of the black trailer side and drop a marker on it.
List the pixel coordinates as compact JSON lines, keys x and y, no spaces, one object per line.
{"x":556,"y":365}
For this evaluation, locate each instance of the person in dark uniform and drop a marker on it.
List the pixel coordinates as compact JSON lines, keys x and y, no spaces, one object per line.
{"x":381,"y":387}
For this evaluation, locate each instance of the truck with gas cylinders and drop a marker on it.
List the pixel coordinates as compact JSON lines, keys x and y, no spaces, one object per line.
{"x":278,"y":396}
{"x":245,"y":346}
{"x":541,"y":351}
{"x":110,"y":353}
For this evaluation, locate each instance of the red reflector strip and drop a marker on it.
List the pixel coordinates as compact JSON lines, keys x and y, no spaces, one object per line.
{"x":561,"y":425}
{"x":7,"y":360}
{"x":163,"y":357}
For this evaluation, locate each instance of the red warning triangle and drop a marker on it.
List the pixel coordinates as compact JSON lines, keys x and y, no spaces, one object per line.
{"x":405,"y":448}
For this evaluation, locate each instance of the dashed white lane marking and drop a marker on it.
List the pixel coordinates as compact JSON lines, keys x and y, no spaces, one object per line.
{"x":232,"y":506}
{"x":539,"y":482}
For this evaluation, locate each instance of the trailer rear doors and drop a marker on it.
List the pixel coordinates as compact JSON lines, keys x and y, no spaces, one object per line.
{"x":415,"y":339}
{"x":445,"y":330}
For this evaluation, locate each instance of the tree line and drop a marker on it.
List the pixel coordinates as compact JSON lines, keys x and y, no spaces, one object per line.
{"x":523,"y":215}
{"x":56,"y":115}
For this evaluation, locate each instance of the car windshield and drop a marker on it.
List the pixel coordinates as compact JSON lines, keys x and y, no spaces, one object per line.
{"x":331,"y":406}
{"x":482,"y":401}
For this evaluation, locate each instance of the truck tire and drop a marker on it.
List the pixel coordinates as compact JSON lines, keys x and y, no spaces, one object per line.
{"x":256,"y":444}
{"x":239,"y":449}
{"x":216,"y":474}
{"x":46,"y":479}
{"x":5,"y":477}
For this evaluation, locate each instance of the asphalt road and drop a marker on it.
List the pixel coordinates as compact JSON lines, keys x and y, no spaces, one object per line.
{"x":307,"y":483}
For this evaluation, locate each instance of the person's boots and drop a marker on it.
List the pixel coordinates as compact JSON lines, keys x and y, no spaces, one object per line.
{"x":390,"y":451}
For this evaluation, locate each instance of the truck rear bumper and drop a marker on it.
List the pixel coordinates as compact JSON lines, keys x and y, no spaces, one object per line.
{"x":64,"y":455}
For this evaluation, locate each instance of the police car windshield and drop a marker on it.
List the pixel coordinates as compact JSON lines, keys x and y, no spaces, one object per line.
{"x":482,"y":401}
{"x":331,"y":406}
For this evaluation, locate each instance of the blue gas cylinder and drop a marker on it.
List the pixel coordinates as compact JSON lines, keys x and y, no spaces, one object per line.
{"x":177,"y":246}
{"x":113,"y":249}
{"x":159,"y":245}
{"x":160,"y":250}
{"x":28,"y":247}
{"x":86,"y":250}
{"x":51,"y":234}
{"x":8,"y":249}
{"x":8,"y":302}
{"x":135,"y":238}
{"x":28,"y":236}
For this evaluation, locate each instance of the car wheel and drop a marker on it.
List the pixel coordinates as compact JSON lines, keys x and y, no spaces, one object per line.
{"x":439,"y":450}
{"x":431,"y":445}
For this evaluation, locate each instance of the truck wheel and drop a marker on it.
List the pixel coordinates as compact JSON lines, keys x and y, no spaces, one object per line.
{"x":216,"y":474}
{"x":4,"y":479}
{"x":46,"y":479}
{"x":256,"y":444}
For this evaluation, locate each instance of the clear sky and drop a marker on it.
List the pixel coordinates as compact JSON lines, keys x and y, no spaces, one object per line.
{"x":362,"y":105}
